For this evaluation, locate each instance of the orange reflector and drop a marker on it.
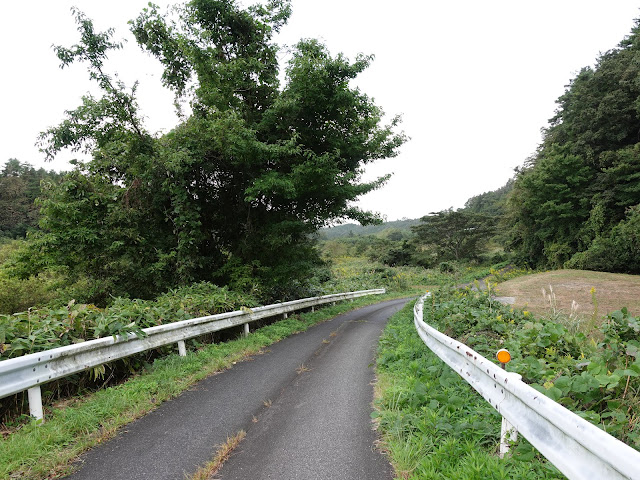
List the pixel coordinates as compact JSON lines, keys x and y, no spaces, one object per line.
{"x":503,"y":356}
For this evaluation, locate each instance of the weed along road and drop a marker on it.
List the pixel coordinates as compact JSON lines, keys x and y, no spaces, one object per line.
{"x":304,"y":404}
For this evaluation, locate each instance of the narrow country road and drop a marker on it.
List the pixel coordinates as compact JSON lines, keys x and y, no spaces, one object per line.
{"x":304,"y":404}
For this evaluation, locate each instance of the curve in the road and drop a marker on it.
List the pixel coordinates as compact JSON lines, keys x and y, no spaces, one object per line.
{"x":318,"y":388}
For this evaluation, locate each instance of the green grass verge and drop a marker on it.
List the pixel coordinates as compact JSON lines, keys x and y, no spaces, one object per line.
{"x":46,"y":451}
{"x":433,"y":424}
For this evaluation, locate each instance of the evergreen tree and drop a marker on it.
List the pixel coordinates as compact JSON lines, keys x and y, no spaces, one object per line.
{"x":19,"y":187}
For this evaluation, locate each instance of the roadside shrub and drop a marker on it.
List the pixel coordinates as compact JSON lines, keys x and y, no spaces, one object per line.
{"x":495,"y":257}
{"x":447,"y":267}
{"x":503,"y":272}
{"x":45,"y":328}
{"x":41,"y":329}
{"x":619,"y":251}
{"x":356,"y":273}
{"x":433,"y":424}
{"x":19,"y":292}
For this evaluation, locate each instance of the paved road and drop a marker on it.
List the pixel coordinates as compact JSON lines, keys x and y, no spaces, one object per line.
{"x":316,"y":427}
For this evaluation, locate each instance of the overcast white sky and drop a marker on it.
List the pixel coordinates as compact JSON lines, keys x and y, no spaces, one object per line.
{"x":474,"y":80}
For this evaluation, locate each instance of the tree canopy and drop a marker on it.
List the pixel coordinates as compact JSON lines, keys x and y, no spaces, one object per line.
{"x":233,"y":192}
{"x":19,"y":187}
{"x":457,"y":234}
{"x":491,"y":203}
{"x":581,"y":190}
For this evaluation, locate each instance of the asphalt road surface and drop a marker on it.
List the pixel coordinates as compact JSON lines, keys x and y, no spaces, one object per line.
{"x":305,"y":405}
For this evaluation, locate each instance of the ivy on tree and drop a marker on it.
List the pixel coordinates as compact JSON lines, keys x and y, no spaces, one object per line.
{"x":234,"y":192}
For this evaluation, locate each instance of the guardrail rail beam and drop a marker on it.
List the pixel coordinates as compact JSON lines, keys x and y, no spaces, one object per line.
{"x":30,"y":371}
{"x":579,"y":449}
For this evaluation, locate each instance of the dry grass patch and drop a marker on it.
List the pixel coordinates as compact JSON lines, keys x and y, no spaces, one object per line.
{"x":208,"y":471}
{"x":302,"y":368}
{"x":612,"y":292}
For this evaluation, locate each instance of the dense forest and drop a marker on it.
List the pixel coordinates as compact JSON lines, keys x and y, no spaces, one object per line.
{"x":19,"y":188}
{"x":576,"y":203}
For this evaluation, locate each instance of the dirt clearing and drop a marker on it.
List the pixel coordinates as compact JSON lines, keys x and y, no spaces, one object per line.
{"x":611,"y":291}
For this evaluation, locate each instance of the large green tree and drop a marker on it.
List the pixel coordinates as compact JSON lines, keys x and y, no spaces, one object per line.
{"x":457,"y":234}
{"x":233,"y":192}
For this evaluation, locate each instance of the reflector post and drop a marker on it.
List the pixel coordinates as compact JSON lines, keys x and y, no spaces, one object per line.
{"x":503,"y":356}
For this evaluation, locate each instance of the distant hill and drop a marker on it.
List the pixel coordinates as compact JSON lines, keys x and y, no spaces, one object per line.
{"x":490,"y":203}
{"x":349,"y":229}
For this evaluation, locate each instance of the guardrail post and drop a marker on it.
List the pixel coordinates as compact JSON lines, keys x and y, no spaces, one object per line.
{"x":182,"y":348}
{"x":285,"y":315}
{"x":313,"y":309}
{"x":508,"y":435}
{"x":35,"y":403}
{"x":246,"y":329}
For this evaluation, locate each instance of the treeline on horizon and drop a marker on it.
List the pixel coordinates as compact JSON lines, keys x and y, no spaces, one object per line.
{"x":238,"y":194}
{"x":576,"y":202}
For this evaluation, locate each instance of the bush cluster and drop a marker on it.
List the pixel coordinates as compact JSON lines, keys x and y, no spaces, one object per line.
{"x":356,"y":273}
{"x":42,"y":329}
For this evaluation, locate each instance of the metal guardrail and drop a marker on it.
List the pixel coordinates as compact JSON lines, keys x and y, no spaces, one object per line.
{"x":579,"y":449}
{"x":30,"y":371}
